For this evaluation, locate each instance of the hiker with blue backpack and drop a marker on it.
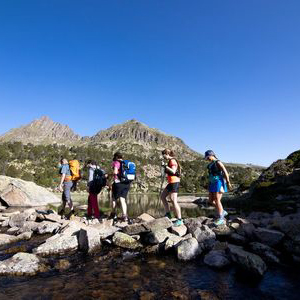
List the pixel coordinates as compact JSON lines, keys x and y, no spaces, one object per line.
{"x":218,"y":183}
{"x":96,"y":181}
{"x":123,"y":175}
{"x":173,"y":170}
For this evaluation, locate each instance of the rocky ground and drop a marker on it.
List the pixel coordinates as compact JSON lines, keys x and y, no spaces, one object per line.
{"x":251,"y":242}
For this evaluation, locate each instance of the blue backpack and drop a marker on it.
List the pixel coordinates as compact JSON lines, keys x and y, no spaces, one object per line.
{"x":127,"y":171}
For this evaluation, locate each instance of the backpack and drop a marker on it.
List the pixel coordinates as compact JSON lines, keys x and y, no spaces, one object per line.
{"x":98,"y":182}
{"x":127,"y":171}
{"x":75,"y":169}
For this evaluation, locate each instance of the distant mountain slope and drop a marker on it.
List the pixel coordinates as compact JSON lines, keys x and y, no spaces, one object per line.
{"x":136,"y":137}
{"x":42,"y":131}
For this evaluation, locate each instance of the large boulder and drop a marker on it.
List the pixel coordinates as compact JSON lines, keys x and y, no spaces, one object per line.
{"x":17,"y":192}
{"x":21,"y":264}
{"x":246,"y":260}
{"x":188,"y":249}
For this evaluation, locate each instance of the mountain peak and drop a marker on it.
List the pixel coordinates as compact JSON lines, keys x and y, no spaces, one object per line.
{"x":41,"y":131}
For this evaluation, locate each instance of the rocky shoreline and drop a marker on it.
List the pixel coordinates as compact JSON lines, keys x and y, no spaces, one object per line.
{"x":250,"y":242}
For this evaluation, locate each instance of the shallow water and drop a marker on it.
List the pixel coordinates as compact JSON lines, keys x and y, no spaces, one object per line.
{"x":113,"y":275}
{"x":126,"y":277}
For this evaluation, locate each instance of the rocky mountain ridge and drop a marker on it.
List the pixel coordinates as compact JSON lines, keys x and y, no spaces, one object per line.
{"x":131,"y":137}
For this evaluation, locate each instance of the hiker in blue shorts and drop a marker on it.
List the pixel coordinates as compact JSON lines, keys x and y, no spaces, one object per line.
{"x":218,"y":183}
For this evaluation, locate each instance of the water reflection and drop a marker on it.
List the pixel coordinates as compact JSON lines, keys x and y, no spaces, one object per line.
{"x":151,"y":204}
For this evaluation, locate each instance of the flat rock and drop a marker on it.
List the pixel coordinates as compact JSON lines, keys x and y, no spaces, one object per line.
{"x":179,"y":230}
{"x":17,"y":192}
{"x":105,"y":229}
{"x":52,"y":218}
{"x":268,"y":236}
{"x":47,"y":227}
{"x":7,"y":239}
{"x":216,"y":259}
{"x":145,"y":217}
{"x":18,"y":220}
{"x":21,"y":264}
{"x":188,"y":249}
{"x":58,"y":244}
{"x":246,"y":260}
{"x":158,"y":224}
{"x":124,"y":240}
{"x":157,"y":237}
{"x":134,"y":229}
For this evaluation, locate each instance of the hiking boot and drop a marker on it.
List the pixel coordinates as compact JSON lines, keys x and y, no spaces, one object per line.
{"x":113,"y":216}
{"x":220,"y":221}
{"x":168,"y":215}
{"x":71,"y":213}
{"x":61,"y":212}
{"x":178,"y":222}
{"x":224,"y":213}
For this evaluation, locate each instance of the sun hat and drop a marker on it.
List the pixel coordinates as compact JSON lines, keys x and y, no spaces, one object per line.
{"x":209,"y":153}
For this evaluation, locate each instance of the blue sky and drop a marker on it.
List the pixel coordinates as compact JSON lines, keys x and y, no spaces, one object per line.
{"x":221,"y":75}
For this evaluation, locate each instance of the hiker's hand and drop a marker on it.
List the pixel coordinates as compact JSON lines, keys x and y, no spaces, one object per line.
{"x":163,"y":164}
{"x":60,"y":188}
{"x":229,"y":186}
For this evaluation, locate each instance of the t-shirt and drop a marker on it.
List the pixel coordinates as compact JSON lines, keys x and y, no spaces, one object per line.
{"x":172,"y":178}
{"x":116,"y":164}
{"x":65,"y":169}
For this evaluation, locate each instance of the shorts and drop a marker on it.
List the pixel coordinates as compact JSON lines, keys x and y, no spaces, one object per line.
{"x":217,"y":186}
{"x":173,"y":187}
{"x":120,"y":190}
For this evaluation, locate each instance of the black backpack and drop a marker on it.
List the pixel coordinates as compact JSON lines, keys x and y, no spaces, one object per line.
{"x":99,"y":181}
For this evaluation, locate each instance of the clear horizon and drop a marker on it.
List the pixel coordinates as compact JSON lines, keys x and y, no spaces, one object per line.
{"x":219,"y":75}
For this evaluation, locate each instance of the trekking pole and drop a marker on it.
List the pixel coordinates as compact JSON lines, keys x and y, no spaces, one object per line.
{"x":162,"y":180}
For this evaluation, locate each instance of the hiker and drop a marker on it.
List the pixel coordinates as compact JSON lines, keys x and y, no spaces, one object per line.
{"x":65,"y":186}
{"x":96,"y":181}
{"x":173,"y":170}
{"x":217,"y":185}
{"x":119,"y":189}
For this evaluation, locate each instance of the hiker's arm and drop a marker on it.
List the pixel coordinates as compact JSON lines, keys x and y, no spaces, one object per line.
{"x":62,"y":179}
{"x":222,"y":167}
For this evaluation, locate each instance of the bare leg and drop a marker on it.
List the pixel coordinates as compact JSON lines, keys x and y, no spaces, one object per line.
{"x":163,"y":197}
{"x":219,"y":205}
{"x":123,"y":206}
{"x":211,"y":198}
{"x":176,"y":205}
